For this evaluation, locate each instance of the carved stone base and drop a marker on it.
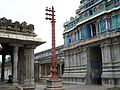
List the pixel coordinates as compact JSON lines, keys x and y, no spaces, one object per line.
{"x":54,"y":85}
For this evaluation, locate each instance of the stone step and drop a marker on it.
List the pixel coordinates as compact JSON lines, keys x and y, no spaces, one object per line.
{"x":4,"y":86}
{"x":8,"y":87}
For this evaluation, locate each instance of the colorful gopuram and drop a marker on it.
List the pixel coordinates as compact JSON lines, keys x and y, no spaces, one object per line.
{"x":92,"y":43}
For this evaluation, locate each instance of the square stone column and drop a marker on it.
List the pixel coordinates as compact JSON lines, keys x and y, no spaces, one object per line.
{"x":88,"y":75}
{"x":21,"y":65}
{"x":2,"y":68}
{"x":60,"y":74}
{"x":36,"y":72}
{"x":29,"y":64}
{"x":15,"y":63}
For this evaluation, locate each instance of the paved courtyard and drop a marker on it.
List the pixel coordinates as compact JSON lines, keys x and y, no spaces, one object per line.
{"x":76,"y":87}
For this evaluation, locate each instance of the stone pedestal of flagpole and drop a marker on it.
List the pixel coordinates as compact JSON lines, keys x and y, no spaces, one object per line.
{"x":54,"y":85}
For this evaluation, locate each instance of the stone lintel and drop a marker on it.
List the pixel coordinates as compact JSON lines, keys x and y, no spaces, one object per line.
{"x":15,"y":44}
{"x":30,"y":46}
{"x":20,"y":37}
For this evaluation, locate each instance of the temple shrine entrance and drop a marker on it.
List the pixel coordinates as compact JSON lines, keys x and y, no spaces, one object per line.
{"x":96,"y":65}
{"x":18,"y":40}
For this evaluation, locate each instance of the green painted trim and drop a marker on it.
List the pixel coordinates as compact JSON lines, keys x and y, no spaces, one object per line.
{"x":91,"y":6}
{"x":90,"y":18}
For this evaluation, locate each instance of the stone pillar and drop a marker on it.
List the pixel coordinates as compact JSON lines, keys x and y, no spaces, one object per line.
{"x":88,"y":76}
{"x":29,"y":64}
{"x":12,"y":62}
{"x":81,"y":55}
{"x":40,"y":71}
{"x":67,"y":65}
{"x":46,"y":70}
{"x":79,"y":59}
{"x":42,"y":68}
{"x":67,"y":61}
{"x":15,"y":63}
{"x":36,"y":72}
{"x":60,"y":74}
{"x":70,"y":60}
{"x":85,"y":57}
{"x":2,"y":67}
{"x":74,"y":59}
{"x":21,"y":65}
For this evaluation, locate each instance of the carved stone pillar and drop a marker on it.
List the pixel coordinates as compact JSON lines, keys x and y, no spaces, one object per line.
{"x":21,"y":65}
{"x":60,"y":72}
{"x":2,"y":67}
{"x":88,"y":76}
{"x":67,"y":61}
{"x":77,"y":63}
{"x":15,"y":63}
{"x":36,"y":72}
{"x":74,"y":59}
{"x":80,"y":59}
{"x":29,"y":64}
{"x":45,"y":70}
{"x":70,"y":60}
{"x":67,"y":65}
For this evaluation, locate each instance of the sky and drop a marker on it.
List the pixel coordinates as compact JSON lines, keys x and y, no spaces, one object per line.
{"x":33,"y":12}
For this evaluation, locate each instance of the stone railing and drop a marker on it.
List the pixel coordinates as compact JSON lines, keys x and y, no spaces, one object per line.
{"x":8,"y":25}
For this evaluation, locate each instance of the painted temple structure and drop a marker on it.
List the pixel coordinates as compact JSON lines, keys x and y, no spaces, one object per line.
{"x":92,"y":43}
{"x":43,"y":62}
{"x":18,"y":40}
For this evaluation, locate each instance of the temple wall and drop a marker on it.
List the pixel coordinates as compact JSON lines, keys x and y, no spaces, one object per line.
{"x":75,"y":65}
{"x":111,"y":61}
{"x":81,"y":70}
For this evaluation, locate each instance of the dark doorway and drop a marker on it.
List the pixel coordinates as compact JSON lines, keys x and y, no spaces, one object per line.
{"x":89,"y":31}
{"x":96,"y":65}
{"x":94,"y":30}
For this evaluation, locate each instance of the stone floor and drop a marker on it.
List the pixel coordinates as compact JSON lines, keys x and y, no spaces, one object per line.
{"x":66,"y":87}
{"x":76,"y":87}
